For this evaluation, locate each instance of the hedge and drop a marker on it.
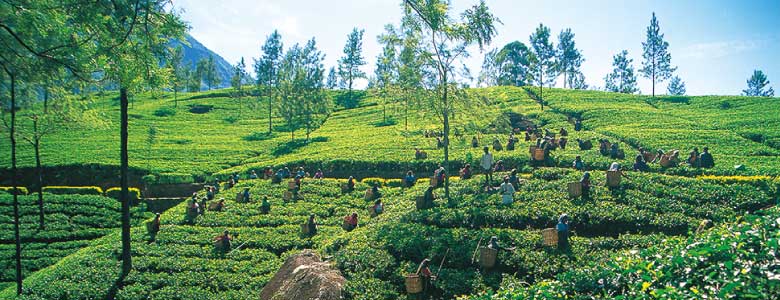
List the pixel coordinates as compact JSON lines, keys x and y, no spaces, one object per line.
{"x":73,"y":190}
{"x":372,"y":181}
{"x":174,"y":178}
{"x":7,"y":189}
{"x":134,"y":193}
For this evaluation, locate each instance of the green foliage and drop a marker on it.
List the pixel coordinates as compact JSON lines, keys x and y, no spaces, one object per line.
{"x":9,"y":190}
{"x":656,"y":65}
{"x":73,"y":190}
{"x":174,"y":178}
{"x":164,"y":112}
{"x":757,"y":85}
{"x":676,"y":87}
{"x":133,"y":193}
{"x":622,"y":78}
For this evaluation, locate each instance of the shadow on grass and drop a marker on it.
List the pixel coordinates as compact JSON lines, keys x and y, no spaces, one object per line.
{"x":259,"y":136}
{"x":289,"y":147}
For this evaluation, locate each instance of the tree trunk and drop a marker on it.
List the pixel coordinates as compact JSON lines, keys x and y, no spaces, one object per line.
{"x":270,"y":124}
{"x":127,"y":264}
{"x":446,"y":136}
{"x":541,"y":85}
{"x":45,"y":100}
{"x":406,"y":113}
{"x":39,"y":170}
{"x":18,"y":255}
{"x":653,"y":79}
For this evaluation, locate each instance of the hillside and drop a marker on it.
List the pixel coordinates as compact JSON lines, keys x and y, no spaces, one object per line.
{"x":194,"y":51}
{"x":232,"y":135}
{"x":646,"y":221}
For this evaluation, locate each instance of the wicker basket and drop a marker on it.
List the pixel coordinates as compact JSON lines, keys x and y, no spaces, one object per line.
{"x":287,"y":196}
{"x":434,"y":182}
{"x":613,"y":178}
{"x":213,"y":205}
{"x":291,"y":185}
{"x":369,"y":195}
{"x":305,"y":229}
{"x":665,"y":161}
{"x":550,"y":237}
{"x":239,"y":196}
{"x":539,"y":154}
{"x":487,"y":257}
{"x":575,"y":189}
{"x":414,"y":283}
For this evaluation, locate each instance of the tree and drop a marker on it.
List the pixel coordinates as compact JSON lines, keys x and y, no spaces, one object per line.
{"x":676,"y":86}
{"x":134,"y":46}
{"x":410,"y":69}
{"x":237,"y":81}
{"x":569,"y":57}
{"x":332,"y":81}
{"x":178,"y":71}
{"x":622,"y":79}
{"x":656,"y":65}
{"x":210,"y":74}
{"x":289,"y":102}
{"x":542,"y":62}
{"x":192,"y":78}
{"x":577,"y":81}
{"x":758,"y":85}
{"x":267,"y":69}
{"x":513,"y":64}
{"x":386,"y":72}
{"x":350,"y":63}
{"x":448,"y":41}
{"x":311,"y":86}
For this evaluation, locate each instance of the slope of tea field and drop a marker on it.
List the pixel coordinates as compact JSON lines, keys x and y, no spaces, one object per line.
{"x":648,"y":210}
{"x":232,"y":135}
{"x":72,"y":222}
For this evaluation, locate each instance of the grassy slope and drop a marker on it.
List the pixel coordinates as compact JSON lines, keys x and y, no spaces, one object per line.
{"x":72,"y":221}
{"x":651,"y":209}
{"x":208,"y":143}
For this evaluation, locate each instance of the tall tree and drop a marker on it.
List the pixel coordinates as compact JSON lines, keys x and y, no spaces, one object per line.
{"x":311,"y":86}
{"x":657,"y":63}
{"x":200,"y":72}
{"x":676,"y":86}
{"x":237,"y":82}
{"x":569,"y":57}
{"x":178,"y":71}
{"x":758,"y":85}
{"x":448,"y":40}
{"x":622,"y":79}
{"x":289,"y":102}
{"x":350,"y":63}
{"x":386,"y":72}
{"x":267,"y":69}
{"x":332,"y":81}
{"x":513,"y":64}
{"x":543,"y":69}
{"x":410,"y":69}
{"x":210,"y":75}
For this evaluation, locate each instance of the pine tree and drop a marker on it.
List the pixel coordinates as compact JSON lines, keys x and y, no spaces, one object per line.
{"x":577,"y":81}
{"x":267,"y":69}
{"x":543,"y":69}
{"x":757,"y":85}
{"x":676,"y":87}
{"x":622,"y":79}
{"x":210,"y":74}
{"x":332,"y":81}
{"x":657,"y":60}
{"x":569,"y":57}
{"x":350,"y":63}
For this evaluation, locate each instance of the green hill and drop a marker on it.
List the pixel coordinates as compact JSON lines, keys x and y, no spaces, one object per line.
{"x":646,"y":223}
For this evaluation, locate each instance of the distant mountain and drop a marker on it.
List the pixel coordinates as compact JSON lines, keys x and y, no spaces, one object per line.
{"x":196,"y":51}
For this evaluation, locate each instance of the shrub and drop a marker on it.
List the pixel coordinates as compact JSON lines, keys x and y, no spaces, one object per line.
{"x":165,"y":112}
{"x":72,"y":190}
{"x":394,"y":183}
{"x":148,"y":179}
{"x":21,"y":190}
{"x":133,"y":193}
{"x":371,"y":181}
{"x":174,"y":178}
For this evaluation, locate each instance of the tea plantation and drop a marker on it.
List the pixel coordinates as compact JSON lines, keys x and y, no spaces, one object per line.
{"x":641,"y":240}
{"x":72,"y":222}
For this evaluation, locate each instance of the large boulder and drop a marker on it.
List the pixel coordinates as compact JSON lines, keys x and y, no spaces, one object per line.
{"x":305,"y":276}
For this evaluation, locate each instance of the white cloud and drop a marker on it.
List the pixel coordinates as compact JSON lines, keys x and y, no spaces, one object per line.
{"x":720,"y":49}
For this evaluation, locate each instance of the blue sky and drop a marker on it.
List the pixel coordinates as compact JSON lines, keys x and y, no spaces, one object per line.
{"x":715,"y":44}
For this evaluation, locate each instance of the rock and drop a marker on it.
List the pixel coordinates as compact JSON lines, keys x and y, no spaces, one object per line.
{"x":305,"y":276}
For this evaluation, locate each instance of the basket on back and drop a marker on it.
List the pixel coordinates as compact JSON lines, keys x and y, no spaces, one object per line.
{"x":539,"y":154}
{"x":487,"y":257}
{"x":414,"y":283}
{"x":550,"y":237}
{"x":613,"y":178}
{"x":239,"y":196}
{"x":575,"y":189}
